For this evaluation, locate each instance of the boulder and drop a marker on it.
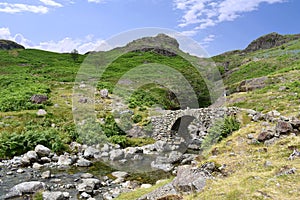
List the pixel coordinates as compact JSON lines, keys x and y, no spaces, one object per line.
{"x":265,"y":135}
{"x":90,"y":152}
{"x":283,"y":127}
{"x":42,"y":150}
{"x":165,"y":192}
{"x":162,"y":164}
{"x":37,"y":166}
{"x":120,"y":174}
{"x":41,"y":112}
{"x":81,"y":162}
{"x":104,"y":93}
{"x":190,"y":179}
{"x":24,"y":188}
{"x":38,"y":99}
{"x":88,"y":185}
{"x":32,"y":156}
{"x":56,"y":195}
{"x":116,"y":154}
{"x":46,"y":175}
{"x":65,"y":160}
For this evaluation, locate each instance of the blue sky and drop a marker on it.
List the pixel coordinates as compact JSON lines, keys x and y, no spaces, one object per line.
{"x":218,"y":25}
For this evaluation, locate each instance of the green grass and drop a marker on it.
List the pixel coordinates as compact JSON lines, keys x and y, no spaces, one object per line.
{"x":25,"y":72}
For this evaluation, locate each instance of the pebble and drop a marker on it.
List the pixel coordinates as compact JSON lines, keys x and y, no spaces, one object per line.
{"x":20,"y":171}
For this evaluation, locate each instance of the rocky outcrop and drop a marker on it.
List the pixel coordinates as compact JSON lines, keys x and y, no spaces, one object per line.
{"x":38,"y":99}
{"x":252,"y":84}
{"x":9,"y":45}
{"x":24,"y":188}
{"x":161,"y":44}
{"x":189,"y":179}
{"x":269,"y":41}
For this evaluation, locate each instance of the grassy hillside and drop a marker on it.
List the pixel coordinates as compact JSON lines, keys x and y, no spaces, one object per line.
{"x":279,"y":66}
{"x":263,"y":80}
{"x":27,"y":72}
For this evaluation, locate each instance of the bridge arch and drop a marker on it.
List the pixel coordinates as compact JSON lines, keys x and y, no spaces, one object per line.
{"x":180,"y":127}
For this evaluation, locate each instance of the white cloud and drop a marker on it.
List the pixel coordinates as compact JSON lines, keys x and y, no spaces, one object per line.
{"x":95,"y":1}
{"x":189,"y":33}
{"x":208,"y":39}
{"x":4,"y":33}
{"x":89,"y":43}
{"x":68,"y":44}
{"x":17,"y":8}
{"x":51,"y":3}
{"x":208,"y":13}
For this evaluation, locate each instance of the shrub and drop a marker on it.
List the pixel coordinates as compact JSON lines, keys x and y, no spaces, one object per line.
{"x":111,"y":128}
{"x":137,"y":118}
{"x":221,"y":129}
{"x":91,"y":132}
{"x":12,"y":144}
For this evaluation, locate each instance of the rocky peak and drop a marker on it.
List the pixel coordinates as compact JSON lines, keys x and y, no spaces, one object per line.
{"x":161,"y":44}
{"x":269,"y":41}
{"x":161,"y":40}
{"x":9,"y":45}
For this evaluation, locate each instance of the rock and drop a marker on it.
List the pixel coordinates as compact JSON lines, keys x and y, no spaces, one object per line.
{"x":120,"y":174}
{"x":88,"y":185}
{"x":165,"y":192}
{"x":162,"y":146}
{"x":55,"y":195}
{"x":116,"y":154}
{"x":250,"y":136}
{"x":20,"y":171}
{"x":42,"y":150}
{"x":268,"y":164}
{"x":37,"y":166}
{"x":87,"y":175}
{"x":270,"y":141}
{"x":160,"y":163}
{"x":38,"y":99}
{"x":32,"y":156}
{"x":105,"y":148}
{"x":295,"y":154}
{"x":274,"y":113}
{"x":76,"y":147}
{"x":104,"y":93}
{"x":85,"y":195}
{"x":286,"y":171}
{"x":81,"y":162}
{"x":45,"y":160}
{"x":136,"y":132}
{"x":41,"y":112}
{"x":46,"y":175}
{"x":190,"y":179}
{"x":265,"y":135}
{"x":64,"y":160}
{"x":296,"y":124}
{"x":9,"y":173}
{"x":252,"y":84}
{"x":146,"y":186}
{"x":209,"y":166}
{"x":25,"y":161}
{"x":9,"y":45}
{"x":90,"y":152}
{"x":175,"y":157}
{"x":283,"y":127}
{"x":266,"y":42}
{"x":24,"y":188}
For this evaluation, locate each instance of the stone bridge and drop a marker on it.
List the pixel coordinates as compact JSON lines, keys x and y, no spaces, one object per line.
{"x":190,"y":124}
